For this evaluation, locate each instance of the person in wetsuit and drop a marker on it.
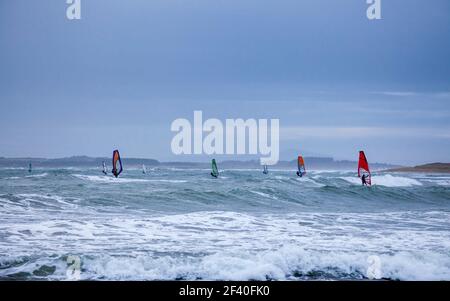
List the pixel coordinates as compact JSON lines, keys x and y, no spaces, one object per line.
{"x":363,"y":180}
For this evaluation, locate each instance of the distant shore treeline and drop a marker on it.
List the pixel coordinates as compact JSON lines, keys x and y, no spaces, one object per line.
{"x":81,"y":161}
{"x":432,"y":167}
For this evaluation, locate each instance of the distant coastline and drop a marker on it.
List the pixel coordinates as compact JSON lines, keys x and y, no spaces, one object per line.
{"x":432,"y":167}
{"x":318,"y":163}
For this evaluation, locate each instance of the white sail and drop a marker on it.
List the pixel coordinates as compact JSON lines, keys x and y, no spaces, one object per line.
{"x":144,"y":170}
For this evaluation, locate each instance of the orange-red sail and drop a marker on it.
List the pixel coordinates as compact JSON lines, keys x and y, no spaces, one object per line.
{"x":301,"y":165}
{"x":116,"y":163}
{"x":363,"y":167}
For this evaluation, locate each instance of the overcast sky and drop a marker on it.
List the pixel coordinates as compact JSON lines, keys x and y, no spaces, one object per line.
{"x":119,"y":76}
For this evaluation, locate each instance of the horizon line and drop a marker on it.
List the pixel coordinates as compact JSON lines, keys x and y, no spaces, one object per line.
{"x":193,"y":162}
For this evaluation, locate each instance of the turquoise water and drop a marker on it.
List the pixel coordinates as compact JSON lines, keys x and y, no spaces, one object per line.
{"x":183,"y":224}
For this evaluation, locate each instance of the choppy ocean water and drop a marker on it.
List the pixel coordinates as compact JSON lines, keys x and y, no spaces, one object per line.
{"x":182,"y":224}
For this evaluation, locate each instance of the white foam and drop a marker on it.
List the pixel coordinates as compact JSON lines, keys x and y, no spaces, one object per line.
{"x":108,"y":179}
{"x":12,"y":168}
{"x":47,"y":198}
{"x":327,"y":171}
{"x":308,"y":180}
{"x":167,"y":181}
{"x":41,"y":175}
{"x":282,"y":178}
{"x":216,"y":245}
{"x":111,"y":179}
{"x":443,"y":182}
{"x":386,"y":180}
{"x":37,"y":175}
{"x":266,"y":195}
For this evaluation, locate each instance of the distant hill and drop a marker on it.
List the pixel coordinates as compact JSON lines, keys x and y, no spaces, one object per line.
{"x":316,"y":163}
{"x":75,"y":161}
{"x":432,"y":167}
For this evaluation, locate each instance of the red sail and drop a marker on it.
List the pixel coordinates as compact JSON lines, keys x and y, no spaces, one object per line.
{"x":301,"y":165}
{"x":363,"y":167}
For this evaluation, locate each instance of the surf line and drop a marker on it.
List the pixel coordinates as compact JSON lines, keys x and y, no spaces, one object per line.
{"x":230,"y":139}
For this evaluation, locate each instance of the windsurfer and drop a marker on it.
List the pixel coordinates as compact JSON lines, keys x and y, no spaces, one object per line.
{"x":116,"y":161}
{"x":104,"y":168}
{"x":363,"y":180}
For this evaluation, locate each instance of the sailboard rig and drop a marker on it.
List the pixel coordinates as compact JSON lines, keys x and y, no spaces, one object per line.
{"x":301,"y":166}
{"x":144,"y":170}
{"x":215,"y":171}
{"x":116,"y":163}
{"x":104,"y":168}
{"x":265,"y":170}
{"x":363,"y":169}
{"x":29,"y":167}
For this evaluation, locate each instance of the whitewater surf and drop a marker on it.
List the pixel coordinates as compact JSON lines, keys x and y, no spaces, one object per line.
{"x":181,"y":224}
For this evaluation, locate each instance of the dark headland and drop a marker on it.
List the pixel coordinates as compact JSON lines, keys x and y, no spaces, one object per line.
{"x":432,"y":167}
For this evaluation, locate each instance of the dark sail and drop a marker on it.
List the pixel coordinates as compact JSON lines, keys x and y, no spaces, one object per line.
{"x":117,"y":164}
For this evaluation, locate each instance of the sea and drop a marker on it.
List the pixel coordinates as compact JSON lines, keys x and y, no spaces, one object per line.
{"x":182,"y":224}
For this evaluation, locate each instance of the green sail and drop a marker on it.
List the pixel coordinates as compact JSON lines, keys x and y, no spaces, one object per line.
{"x":215,"y":171}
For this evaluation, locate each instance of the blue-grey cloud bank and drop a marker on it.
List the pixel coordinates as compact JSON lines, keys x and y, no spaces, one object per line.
{"x":118,"y":77}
